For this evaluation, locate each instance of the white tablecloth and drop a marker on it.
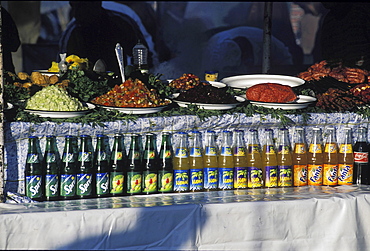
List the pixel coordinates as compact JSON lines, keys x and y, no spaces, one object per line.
{"x":305,"y":218}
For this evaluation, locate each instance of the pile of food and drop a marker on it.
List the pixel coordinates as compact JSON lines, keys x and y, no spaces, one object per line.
{"x":338,"y":87}
{"x":39,"y":79}
{"x":185,"y":82}
{"x":54,"y":98}
{"x":131,"y":93}
{"x":271,"y":92}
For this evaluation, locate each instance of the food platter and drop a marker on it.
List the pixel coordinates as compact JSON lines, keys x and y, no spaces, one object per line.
{"x":62,"y":114}
{"x":137,"y":110}
{"x":246,"y":81}
{"x":302,"y":102}
{"x":207,"y":106}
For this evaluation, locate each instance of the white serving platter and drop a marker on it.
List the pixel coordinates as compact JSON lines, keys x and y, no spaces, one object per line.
{"x":61,"y":114}
{"x":246,"y":81}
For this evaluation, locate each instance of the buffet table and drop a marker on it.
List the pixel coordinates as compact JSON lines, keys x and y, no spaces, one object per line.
{"x":262,"y":219}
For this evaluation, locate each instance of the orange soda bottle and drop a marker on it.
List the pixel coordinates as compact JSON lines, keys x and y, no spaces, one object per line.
{"x":346,"y":159}
{"x":315,"y":159}
{"x":330,"y":168}
{"x":300,"y":161}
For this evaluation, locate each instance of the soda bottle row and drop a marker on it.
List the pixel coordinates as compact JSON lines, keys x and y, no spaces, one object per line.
{"x":190,"y":165}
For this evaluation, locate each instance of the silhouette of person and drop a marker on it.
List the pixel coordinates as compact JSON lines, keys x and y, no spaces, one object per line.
{"x":237,"y":50}
{"x":94,"y":32}
{"x":9,"y":39}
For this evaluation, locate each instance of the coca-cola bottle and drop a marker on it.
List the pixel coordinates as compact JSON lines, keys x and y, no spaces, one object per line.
{"x":361,"y":149}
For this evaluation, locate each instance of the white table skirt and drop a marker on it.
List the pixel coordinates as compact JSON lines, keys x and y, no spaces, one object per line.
{"x":305,"y":218}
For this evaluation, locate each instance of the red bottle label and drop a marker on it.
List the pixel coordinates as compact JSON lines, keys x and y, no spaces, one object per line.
{"x":361,"y":157}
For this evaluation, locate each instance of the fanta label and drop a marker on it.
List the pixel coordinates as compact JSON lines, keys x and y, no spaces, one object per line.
{"x":240,"y":177}
{"x":345,"y":174}
{"x":315,"y":175}
{"x":196,"y":179}
{"x":181,"y":181}
{"x":300,"y":175}
{"x":345,"y":148}
{"x":253,"y":149}
{"x":331,"y":148}
{"x":330,"y":175}
{"x":300,"y":148}
{"x":210,"y":178}
{"x":361,"y":157}
{"x":271,"y":176}
{"x":226,"y":178}
{"x":254,"y":175}
{"x":285,"y":176}
{"x":315,"y":148}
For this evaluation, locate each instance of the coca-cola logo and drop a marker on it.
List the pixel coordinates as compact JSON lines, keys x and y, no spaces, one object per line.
{"x":361,"y":157}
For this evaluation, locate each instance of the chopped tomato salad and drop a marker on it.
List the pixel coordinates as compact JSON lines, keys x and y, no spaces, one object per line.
{"x":130,"y":94}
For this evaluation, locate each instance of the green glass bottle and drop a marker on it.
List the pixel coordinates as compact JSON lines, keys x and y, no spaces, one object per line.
{"x":101,"y":168}
{"x":150,"y":165}
{"x":68,"y":178}
{"x":134,"y":167}
{"x":85,"y":172}
{"x":34,"y":176}
{"x":51,"y":168}
{"x":117,"y":174}
{"x":165,"y":171}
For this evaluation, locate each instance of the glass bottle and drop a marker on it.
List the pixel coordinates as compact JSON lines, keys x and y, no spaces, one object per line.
{"x":346,"y":159}
{"x":226,"y":162}
{"x":330,"y":167}
{"x":34,"y":176}
{"x":254,"y":161}
{"x":315,"y":159}
{"x":101,"y":168}
{"x":361,"y":170}
{"x":51,"y":168}
{"x":165,"y":171}
{"x":181,"y":164}
{"x":210,"y":162}
{"x":240,"y":161}
{"x":300,"y":161}
{"x":284,"y":159}
{"x":196,"y":162}
{"x":134,"y":167}
{"x":140,"y":57}
{"x":269,"y":160}
{"x":85,"y":172}
{"x":68,"y":178}
{"x":150,"y":166}
{"x":117,"y":175}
